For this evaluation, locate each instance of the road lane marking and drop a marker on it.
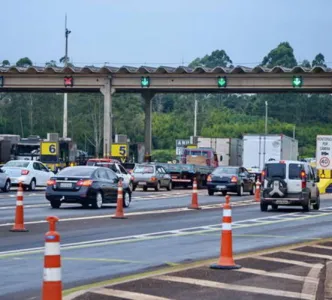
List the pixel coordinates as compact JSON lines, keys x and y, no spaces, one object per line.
{"x":322,"y":247}
{"x":328,"y":282}
{"x":278,"y":275}
{"x":126,"y":294}
{"x":94,"y":259}
{"x":310,"y":287}
{"x":234,"y":287}
{"x":285,"y":261}
{"x":316,"y":255}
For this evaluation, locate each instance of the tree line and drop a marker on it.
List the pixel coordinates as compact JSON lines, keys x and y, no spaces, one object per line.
{"x":219,"y":115}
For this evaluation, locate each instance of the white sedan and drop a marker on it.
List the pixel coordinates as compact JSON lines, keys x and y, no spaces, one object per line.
{"x":30,"y":173}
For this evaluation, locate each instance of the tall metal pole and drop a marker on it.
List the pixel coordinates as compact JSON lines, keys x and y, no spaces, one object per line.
{"x":266,"y":111}
{"x":294,"y":131}
{"x":65,"y":99}
{"x":195,"y":116}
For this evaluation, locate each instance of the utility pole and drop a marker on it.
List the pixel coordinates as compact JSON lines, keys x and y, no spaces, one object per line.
{"x":65,"y":99}
{"x":266,"y":112}
{"x":294,"y":131}
{"x":195,"y":117}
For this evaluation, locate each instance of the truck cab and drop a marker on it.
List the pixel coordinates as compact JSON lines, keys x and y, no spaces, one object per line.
{"x":200,"y":156}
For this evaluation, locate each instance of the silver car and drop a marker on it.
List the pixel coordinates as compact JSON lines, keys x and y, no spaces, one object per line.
{"x":151,"y":176}
{"x":5,"y":183}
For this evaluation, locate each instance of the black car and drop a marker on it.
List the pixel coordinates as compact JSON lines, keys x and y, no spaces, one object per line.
{"x":85,"y":185}
{"x":230,"y":179}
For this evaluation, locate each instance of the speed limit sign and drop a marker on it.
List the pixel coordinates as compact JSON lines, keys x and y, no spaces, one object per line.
{"x":324,"y":162}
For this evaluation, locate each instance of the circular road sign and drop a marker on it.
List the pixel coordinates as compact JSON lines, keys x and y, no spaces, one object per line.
{"x":324,"y":162}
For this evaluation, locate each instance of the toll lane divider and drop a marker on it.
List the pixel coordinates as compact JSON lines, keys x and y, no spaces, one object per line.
{"x":139,"y":213}
{"x":169,"y":233}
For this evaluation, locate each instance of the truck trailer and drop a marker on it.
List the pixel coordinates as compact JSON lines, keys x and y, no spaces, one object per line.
{"x":259,"y":149}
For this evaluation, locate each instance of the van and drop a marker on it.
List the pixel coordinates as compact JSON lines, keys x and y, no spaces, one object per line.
{"x":291,"y":183}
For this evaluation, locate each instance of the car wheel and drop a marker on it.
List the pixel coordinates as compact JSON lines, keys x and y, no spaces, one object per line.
{"x":274,"y":206}
{"x":240,"y":190}
{"x":264,"y":207}
{"x":210,"y":192}
{"x":157,"y":188}
{"x":224,"y":193}
{"x":134,"y":187}
{"x":32,"y":185}
{"x":169,"y":187}
{"x":98,"y":203}
{"x":253,"y":190}
{"x":55,"y":204}
{"x":7,"y":186}
{"x":316,"y":205}
{"x":307,"y":206}
{"x":126,"y":199}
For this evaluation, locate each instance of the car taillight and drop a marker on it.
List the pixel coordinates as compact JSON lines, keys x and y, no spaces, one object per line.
{"x":303,"y":179}
{"x":51,"y":182}
{"x":153,"y":179}
{"x":84,"y":183}
{"x":234,"y":179}
{"x":209,"y":178}
{"x":24,"y":172}
{"x":263,"y":176}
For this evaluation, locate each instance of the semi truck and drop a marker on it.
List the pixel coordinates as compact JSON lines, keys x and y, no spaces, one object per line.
{"x":259,"y":149}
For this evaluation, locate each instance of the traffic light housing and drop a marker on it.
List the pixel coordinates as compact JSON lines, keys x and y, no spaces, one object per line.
{"x":222,"y":81}
{"x":68,"y":81}
{"x":145,"y":81}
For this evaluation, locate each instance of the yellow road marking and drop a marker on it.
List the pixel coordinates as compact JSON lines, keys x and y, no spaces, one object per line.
{"x":234,"y":287}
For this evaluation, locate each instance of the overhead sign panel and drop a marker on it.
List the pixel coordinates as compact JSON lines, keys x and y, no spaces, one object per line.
{"x":180,"y":145}
{"x":324,"y":152}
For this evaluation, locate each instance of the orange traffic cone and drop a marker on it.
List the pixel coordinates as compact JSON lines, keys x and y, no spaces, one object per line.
{"x":52,"y":283}
{"x":119,"y":205}
{"x":19,"y":214}
{"x":194,"y":198}
{"x":226,"y":260}
{"x":258,"y":192}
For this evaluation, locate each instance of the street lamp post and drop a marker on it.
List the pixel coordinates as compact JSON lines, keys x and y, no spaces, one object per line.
{"x":266,"y":112}
{"x":65,"y":99}
{"x":195,"y":116}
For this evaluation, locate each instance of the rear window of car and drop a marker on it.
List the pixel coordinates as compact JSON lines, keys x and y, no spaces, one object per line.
{"x":18,"y":164}
{"x":275,"y":170}
{"x":76,"y":171}
{"x":144,"y":169}
{"x":295,"y":171}
{"x":223,"y":170}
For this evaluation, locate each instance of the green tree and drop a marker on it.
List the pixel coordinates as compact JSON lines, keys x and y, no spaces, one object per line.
{"x":306,"y":63}
{"x":283,"y":56}
{"x":319,"y":60}
{"x":24,"y":62}
{"x":217,"y":58}
{"x":5,"y":63}
{"x":51,"y":63}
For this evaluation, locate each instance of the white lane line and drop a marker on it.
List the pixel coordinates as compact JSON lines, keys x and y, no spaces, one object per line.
{"x":126,"y":294}
{"x":276,"y":274}
{"x":286,"y":261}
{"x":310,"y":287}
{"x":234,"y":287}
{"x":316,"y":255}
{"x":322,"y":247}
{"x":328,"y":282}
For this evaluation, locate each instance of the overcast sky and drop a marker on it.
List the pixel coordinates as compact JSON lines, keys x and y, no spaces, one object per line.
{"x":163,"y":32}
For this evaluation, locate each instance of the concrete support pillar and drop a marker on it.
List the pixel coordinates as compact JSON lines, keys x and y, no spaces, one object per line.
{"x":107,"y":91}
{"x":148,"y":123}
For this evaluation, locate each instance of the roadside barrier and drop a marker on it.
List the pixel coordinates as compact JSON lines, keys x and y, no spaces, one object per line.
{"x":52,"y":283}
{"x":258,"y":191}
{"x":226,"y":261}
{"x":19,"y":213}
{"x":119,"y":205}
{"x":194,"y":198}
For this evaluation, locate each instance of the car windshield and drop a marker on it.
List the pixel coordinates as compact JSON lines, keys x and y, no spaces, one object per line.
{"x":144,"y":169}
{"x":76,"y":171}
{"x":275,"y":170}
{"x":18,"y":164}
{"x":223,"y":170}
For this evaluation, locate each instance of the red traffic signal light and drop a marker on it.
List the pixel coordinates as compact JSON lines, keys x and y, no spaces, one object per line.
{"x":68,"y":81}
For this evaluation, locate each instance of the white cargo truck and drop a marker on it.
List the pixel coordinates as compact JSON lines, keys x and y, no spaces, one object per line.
{"x":229,"y":149}
{"x":259,"y":149}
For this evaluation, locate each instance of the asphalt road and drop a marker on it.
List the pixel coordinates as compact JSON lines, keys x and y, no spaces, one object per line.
{"x":96,"y":247}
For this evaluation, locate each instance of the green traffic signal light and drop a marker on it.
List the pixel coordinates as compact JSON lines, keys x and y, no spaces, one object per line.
{"x":297,"y":81}
{"x":222,"y":81}
{"x":145,"y":81}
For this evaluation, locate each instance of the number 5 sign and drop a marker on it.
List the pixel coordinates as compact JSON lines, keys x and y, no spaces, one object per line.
{"x":49,"y":148}
{"x":119,"y":150}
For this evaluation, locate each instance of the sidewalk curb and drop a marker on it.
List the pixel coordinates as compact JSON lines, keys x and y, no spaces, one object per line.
{"x":71,"y":294}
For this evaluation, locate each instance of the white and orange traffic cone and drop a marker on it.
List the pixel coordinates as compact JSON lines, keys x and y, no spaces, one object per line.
{"x":119,"y":205}
{"x":19,"y":213}
{"x":52,"y":283}
{"x":194,"y":198}
{"x":226,"y":261}
{"x":258,"y":191}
